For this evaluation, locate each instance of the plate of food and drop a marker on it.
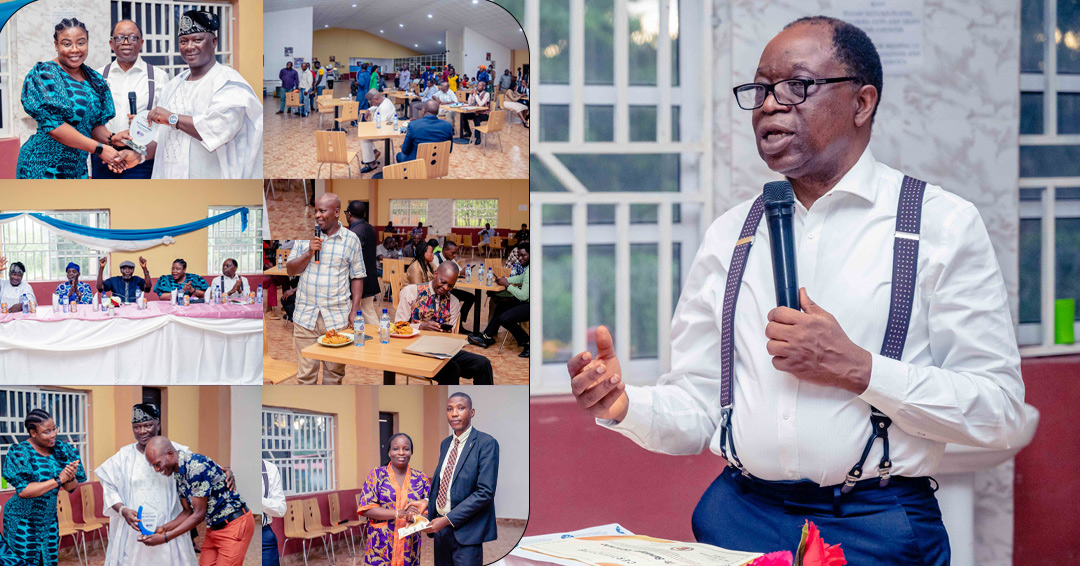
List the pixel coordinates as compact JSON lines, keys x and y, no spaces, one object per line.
{"x":403,"y":329}
{"x":335,"y":339}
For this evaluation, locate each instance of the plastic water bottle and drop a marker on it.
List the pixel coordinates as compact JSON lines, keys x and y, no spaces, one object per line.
{"x":25,"y":304}
{"x":468,"y":273}
{"x":378,"y":123}
{"x":397,"y":125}
{"x":358,"y":328}
{"x":384,"y":327}
{"x":258,"y":295}
{"x":490,"y":278}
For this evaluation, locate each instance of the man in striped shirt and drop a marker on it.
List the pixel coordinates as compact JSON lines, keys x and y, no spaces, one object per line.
{"x":330,"y":288}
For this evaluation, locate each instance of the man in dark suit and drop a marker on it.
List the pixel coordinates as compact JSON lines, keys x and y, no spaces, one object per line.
{"x":425,"y":130}
{"x":461,"y":506}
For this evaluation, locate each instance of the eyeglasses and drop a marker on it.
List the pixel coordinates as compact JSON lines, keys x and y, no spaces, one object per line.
{"x":790,"y":92}
{"x":68,"y":44}
{"x":126,"y":38}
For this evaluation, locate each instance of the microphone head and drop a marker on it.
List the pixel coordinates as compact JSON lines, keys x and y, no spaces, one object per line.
{"x":131,"y":95}
{"x":778,"y":193}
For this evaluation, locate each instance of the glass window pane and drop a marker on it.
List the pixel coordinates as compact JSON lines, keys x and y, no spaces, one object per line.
{"x":1068,"y":113}
{"x":1050,"y":161}
{"x":599,"y":123}
{"x":1068,"y":46}
{"x":557,"y":215}
{"x":555,"y":122}
{"x":1031,"y":112}
{"x":599,"y":42}
{"x":673,"y":31}
{"x":554,"y":41}
{"x":619,"y":172}
{"x":515,"y":7}
{"x":644,"y":213}
{"x":643,"y":325}
{"x":601,"y":283}
{"x":1032,"y":36}
{"x":1067,"y":193}
{"x":676,"y":123}
{"x":601,"y":214}
{"x":557,"y":303}
{"x":541,"y":179}
{"x":644,"y":27}
{"x":1030,"y":270}
{"x":1067,"y":262}
{"x":642,"y":123}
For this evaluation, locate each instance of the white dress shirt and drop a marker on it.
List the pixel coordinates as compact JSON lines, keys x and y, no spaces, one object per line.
{"x":306,"y":78}
{"x":13,"y":295}
{"x":274,"y":503}
{"x":135,"y":80}
{"x":230,"y":282}
{"x":958,"y":380}
{"x":462,"y":439}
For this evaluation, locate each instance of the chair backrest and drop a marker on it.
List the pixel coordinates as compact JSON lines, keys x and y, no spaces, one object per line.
{"x":501,"y":271}
{"x":391,"y":266}
{"x":407,"y":170}
{"x":294,"y":518}
{"x":501,"y":97}
{"x":335,"y":511}
{"x":466,"y":240}
{"x":397,"y":281}
{"x":492,"y":262}
{"x":350,"y":111}
{"x":312,"y":519}
{"x":86,"y":494}
{"x":495,"y":121}
{"x":461,"y":96}
{"x":325,"y":108}
{"x":436,"y":158}
{"x":63,"y":510}
{"x":331,"y":147}
{"x":496,"y":243}
{"x":292,"y":98}
{"x":454,"y":238}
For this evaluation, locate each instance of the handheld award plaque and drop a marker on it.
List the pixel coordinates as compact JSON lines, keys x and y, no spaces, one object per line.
{"x":142,"y":132}
{"x":147,"y":520}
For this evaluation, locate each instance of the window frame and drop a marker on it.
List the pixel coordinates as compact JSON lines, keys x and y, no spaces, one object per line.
{"x":142,"y":11}
{"x":411,"y":219}
{"x":288,"y":466}
{"x":90,"y":258}
{"x":213,"y":264}
{"x":479,"y":202}
{"x":7,"y":105}
{"x":73,"y":401}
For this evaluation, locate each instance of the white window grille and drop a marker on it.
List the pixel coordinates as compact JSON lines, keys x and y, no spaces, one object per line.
{"x":407,"y":212}
{"x":46,"y":253}
{"x":7,"y":92}
{"x":475,"y":213}
{"x":1049,"y":169}
{"x":620,"y":191}
{"x":228,"y":240}
{"x":301,"y":445}
{"x":159,"y":20}
{"x":68,"y":409}
{"x":419,"y":62}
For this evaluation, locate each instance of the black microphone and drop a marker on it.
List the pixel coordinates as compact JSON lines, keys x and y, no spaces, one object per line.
{"x":131,"y":103}
{"x":318,"y":234}
{"x":779,"y":199}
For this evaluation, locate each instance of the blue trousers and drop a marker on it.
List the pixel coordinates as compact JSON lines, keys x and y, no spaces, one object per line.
{"x":269,"y":547}
{"x":899,"y":524}
{"x":450,"y":552}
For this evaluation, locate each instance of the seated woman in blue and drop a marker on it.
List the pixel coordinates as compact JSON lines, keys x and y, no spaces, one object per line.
{"x":185,"y":283}
{"x":71,"y":103}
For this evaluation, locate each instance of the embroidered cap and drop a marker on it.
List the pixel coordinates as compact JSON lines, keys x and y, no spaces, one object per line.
{"x":198,"y":21}
{"x":145,"y":412}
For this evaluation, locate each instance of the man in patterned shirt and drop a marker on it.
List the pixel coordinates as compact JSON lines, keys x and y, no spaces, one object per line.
{"x":185,"y":283}
{"x":205,"y":496}
{"x":73,"y":289}
{"x":330,"y":289}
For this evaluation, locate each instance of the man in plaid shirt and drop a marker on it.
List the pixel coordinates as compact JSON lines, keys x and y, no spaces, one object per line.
{"x":330,"y":290}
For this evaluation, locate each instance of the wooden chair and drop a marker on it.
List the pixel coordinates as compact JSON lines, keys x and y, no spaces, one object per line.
{"x":292,"y":99}
{"x":397,"y":281}
{"x":391,"y":267}
{"x":436,"y":158}
{"x":313,"y":521}
{"x":69,"y":528}
{"x":323,"y":108}
{"x":89,"y":513}
{"x":349,"y":524}
{"x":406,"y":170}
{"x":524,"y":325}
{"x":350,"y":112}
{"x":492,"y":262}
{"x":453,"y":238}
{"x":294,"y":529}
{"x":496,"y":246}
{"x":494,"y":125}
{"x":275,"y":371}
{"x":467,"y":243}
{"x":461,"y":96}
{"x":332,"y":148}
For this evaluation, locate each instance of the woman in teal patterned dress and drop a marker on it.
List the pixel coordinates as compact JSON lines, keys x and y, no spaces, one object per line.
{"x":71,"y":103}
{"x":37,"y":468}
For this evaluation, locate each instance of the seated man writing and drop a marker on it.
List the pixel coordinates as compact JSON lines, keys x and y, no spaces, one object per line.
{"x":436,"y":309}
{"x":427,"y":129}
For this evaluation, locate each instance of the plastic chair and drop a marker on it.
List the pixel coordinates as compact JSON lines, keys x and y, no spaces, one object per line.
{"x":349,"y":524}
{"x":332,"y":148}
{"x":406,"y":170}
{"x":292,"y":99}
{"x":494,"y":125}
{"x":69,"y":528}
{"x":323,"y":108}
{"x":294,"y":528}
{"x":350,"y":112}
{"x":89,"y":513}
{"x":436,"y":158}
{"x":313,"y":523}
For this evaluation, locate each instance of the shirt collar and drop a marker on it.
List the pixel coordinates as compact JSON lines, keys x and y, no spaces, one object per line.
{"x":861,"y":179}
{"x":340,"y":229}
{"x":464,"y":436}
{"x":138,"y":65}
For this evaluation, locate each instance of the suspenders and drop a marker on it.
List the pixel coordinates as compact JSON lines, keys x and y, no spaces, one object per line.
{"x":149,"y":77}
{"x":905,"y":264}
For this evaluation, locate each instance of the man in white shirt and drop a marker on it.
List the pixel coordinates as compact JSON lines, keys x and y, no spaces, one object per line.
{"x":380,"y":110}
{"x":444,"y":96}
{"x":210,"y":121}
{"x":305,"y":88}
{"x":403,"y":79}
{"x":233,"y":286}
{"x":14,"y":287}
{"x":129,"y":74}
{"x":804,"y":382}
{"x":273,"y":504}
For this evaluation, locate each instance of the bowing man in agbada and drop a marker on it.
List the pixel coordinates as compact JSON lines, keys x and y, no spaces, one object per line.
{"x":209,"y":119}
{"x":791,"y":398}
{"x":128,"y":482}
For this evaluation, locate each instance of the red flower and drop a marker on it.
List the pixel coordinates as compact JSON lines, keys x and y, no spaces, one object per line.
{"x":778,"y":558}
{"x":814,"y":552}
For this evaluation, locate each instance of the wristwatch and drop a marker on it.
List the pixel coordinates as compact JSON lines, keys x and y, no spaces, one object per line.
{"x":58,"y":482}
{"x":174,"y":119}
{"x":98,"y":149}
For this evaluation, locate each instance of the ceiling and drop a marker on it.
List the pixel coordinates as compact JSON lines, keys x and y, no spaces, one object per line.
{"x":406,"y":22}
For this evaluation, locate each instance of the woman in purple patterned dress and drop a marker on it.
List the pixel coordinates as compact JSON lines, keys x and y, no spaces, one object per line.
{"x":390,"y":498}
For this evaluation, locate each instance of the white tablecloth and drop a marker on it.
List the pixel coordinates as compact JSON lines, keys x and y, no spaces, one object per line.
{"x":163,"y":350}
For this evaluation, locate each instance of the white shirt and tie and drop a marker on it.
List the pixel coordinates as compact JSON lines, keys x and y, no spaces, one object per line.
{"x":958,"y":379}
{"x":446,"y":473}
{"x":137,"y":80}
{"x":273,"y":499}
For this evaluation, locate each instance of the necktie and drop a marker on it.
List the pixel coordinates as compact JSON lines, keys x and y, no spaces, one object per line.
{"x":448,"y":472}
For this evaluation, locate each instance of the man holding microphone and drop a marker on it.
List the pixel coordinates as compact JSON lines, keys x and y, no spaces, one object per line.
{"x":793,"y":398}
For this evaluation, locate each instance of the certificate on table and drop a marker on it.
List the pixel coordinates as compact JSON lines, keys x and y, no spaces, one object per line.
{"x":638,"y":550}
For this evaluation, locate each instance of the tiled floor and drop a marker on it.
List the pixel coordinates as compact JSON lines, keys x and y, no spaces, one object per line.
{"x":509,"y":368}
{"x":289,"y":149}
{"x":252,"y":558}
{"x":290,"y":218}
{"x":509,"y":534}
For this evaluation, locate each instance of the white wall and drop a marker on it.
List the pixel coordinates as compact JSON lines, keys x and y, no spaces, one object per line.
{"x":287,"y":28}
{"x":503,"y":412}
{"x":455,"y":48}
{"x":477,"y":46}
{"x":245,"y":402}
